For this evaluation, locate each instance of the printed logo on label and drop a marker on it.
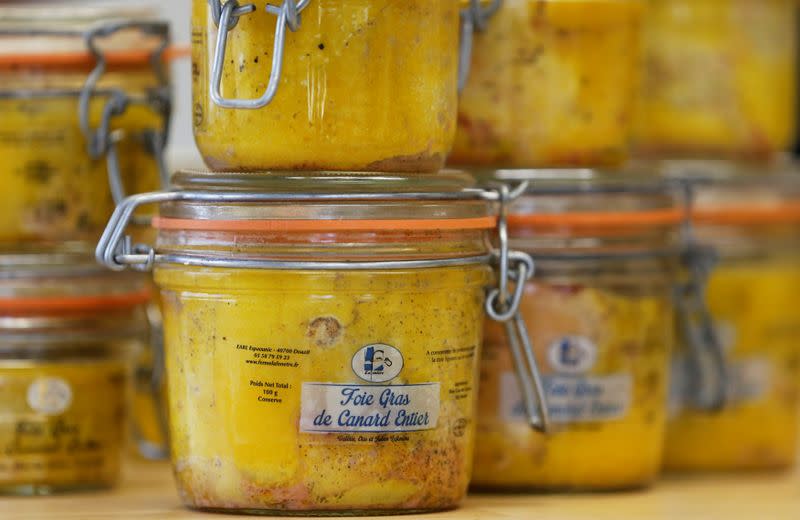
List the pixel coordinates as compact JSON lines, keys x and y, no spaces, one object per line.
{"x":377,"y":363}
{"x":49,"y":395}
{"x":572,"y":355}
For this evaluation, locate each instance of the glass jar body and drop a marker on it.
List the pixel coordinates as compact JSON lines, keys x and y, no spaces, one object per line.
{"x":753,"y":302}
{"x":65,"y":399}
{"x":296,"y":354}
{"x":719,"y":78}
{"x":602,"y":342}
{"x":551,"y":84}
{"x":365,"y":86}
{"x":54,"y":189}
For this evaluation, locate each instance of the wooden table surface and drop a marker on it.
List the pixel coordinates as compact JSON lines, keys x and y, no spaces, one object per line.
{"x":148,"y":492}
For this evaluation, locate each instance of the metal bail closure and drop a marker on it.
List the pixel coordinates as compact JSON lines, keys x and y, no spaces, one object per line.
{"x":708,"y":371}
{"x":708,"y":377}
{"x":502,"y":305}
{"x":474,"y":18}
{"x":102,"y":141}
{"x":225,"y":18}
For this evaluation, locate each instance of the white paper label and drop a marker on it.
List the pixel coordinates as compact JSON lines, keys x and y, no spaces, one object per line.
{"x":748,"y":380}
{"x":329,"y":407}
{"x":571,"y":398}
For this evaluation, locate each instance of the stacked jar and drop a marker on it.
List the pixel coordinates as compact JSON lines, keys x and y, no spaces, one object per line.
{"x":325,"y":282}
{"x":84,"y":107}
{"x":552,"y":88}
{"x":734,"y":397}
{"x":717,"y":111}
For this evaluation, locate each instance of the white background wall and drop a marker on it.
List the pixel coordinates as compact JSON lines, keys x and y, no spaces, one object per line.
{"x":183,"y":153}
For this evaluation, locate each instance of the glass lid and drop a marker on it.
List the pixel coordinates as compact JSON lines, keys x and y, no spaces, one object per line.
{"x":47,"y":34}
{"x":585,"y":213}
{"x":63,"y":278}
{"x":384,"y":201}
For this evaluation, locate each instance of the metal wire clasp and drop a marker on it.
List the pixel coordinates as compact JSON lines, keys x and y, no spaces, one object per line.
{"x":708,"y":382}
{"x":102,"y":141}
{"x":502,"y":305}
{"x":226,"y":17}
{"x":473,"y":18}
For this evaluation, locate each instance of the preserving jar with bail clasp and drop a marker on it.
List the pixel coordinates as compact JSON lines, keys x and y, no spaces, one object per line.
{"x":551,"y":84}
{"x":746,"y":219}
{"x":719,"y":79}
{"x":367,"y":85}
{"x":85,"y":105}
{"x":599,"y":314}
{"x":69,"y":333}
{"x":343,"y":315}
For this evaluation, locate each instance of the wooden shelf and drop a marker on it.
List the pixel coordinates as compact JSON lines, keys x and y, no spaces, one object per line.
{"x":148,"y":492}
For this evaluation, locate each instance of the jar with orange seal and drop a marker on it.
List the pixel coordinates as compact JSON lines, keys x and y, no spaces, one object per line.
{"x":343,"y":315}
{"x":85,"y":104}
{"x":551,"y":84}
{"x":748,"y":220}
{"x":599,"y":316}
{"x":719,"y":79}
{"x":366,"y":85}
{"x":69,"y":332}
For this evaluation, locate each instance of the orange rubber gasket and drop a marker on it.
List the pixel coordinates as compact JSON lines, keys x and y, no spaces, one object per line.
{"x":72,"y":304}
{"x":749,"y":215}
{"x":596,"y":220}
{"x":290,"y":225}
{"x":86,"y":59}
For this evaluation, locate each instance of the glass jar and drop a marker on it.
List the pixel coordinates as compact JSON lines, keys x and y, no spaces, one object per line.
{"x":599,"y":315}
{"x":367,"y":85}
{"x":343,"y":315}
{"x":551,"y":84}
{"x":751,"y":222}
{"x":85,"y":109}
{"x":149,"y":405}
{"x":68,"y":334}
{"x":719,"y":78}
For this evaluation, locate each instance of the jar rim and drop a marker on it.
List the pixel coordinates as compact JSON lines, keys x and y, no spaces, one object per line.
{"x":748,"y":215}
{"x":321,"y":201}
{"x":63,"y":279}
{"x":81,"y":59}
{"x":320,"y":181}
{"x":26,"y":305}
{"x":589,"y":200}
{"x":322,"y":225}
{"x":52,"y":37}
{"x":596,"y":221}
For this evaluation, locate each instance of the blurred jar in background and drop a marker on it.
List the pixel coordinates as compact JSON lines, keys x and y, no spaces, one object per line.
{"x":69,"y":332}
{"x":719,"y":78}
{"x":600,"y":317}
{"x":752,"y":221}
{"x":52,"y":114}
{"x":551,"y":84}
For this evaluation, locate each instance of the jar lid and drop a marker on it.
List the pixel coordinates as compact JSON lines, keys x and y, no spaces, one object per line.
{"x":590,"y":201}
{"x":310,"y":221}
{"x":587,"y":212}
{"x":63,"y":280}
{"x":728,"y":193}
{"x":751,"y":201}
{"x":320,"y":201}
{"x":51,"y":35}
